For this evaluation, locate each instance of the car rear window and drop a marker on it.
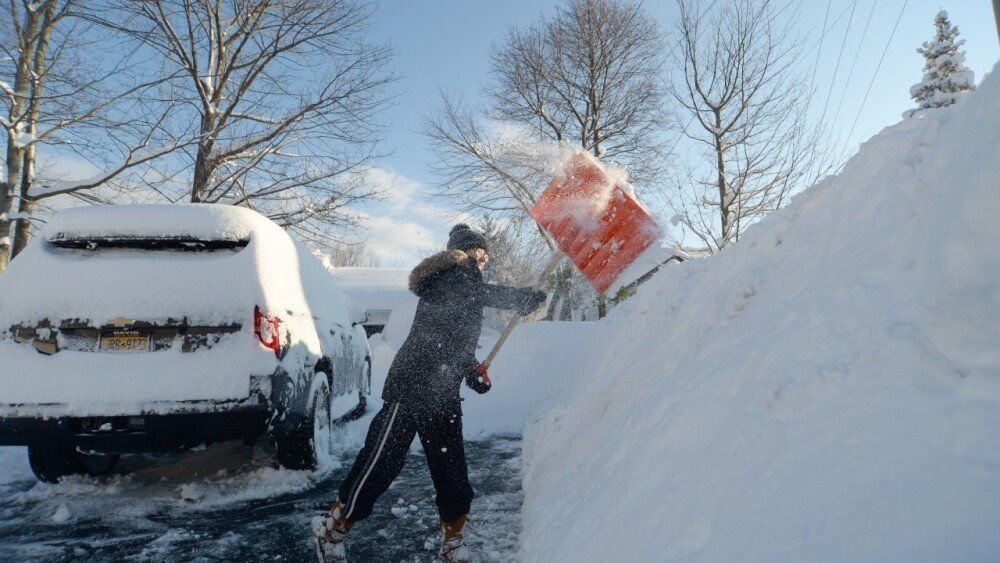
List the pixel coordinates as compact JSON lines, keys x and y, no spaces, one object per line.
{"x":168,"y":244}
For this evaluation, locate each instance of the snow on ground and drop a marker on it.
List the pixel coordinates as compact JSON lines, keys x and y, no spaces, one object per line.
{"x":523,"y":390}
{"x":115,"y":524}
{"x":153,"y":487}
{"x":828,"y":389}
{"x":14,"y":465}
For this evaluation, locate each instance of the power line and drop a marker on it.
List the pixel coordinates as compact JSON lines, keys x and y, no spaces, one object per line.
{"x":819,"y":52}
{"x":840,"y":54}
{"x":836,"y":20}
{"x":850,"y":73}
{"x":877,"y":67}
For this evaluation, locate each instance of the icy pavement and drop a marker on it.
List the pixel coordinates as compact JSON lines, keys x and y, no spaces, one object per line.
{"x":229,"y":502}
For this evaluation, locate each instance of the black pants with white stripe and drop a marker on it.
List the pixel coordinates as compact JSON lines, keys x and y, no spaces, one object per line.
{"x":382,"y":458}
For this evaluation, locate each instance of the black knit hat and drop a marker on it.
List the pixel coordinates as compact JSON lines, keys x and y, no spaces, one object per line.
{"x":462,"y":237}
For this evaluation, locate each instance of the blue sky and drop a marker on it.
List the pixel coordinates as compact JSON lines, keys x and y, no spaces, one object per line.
{"x":446,"y":43}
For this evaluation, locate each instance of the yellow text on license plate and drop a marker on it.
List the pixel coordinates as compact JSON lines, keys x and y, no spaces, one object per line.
{"x":125,"y":343}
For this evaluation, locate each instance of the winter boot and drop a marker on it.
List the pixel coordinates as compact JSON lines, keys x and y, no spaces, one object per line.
{"x":328,"y":535}
{"x":453,"y":548}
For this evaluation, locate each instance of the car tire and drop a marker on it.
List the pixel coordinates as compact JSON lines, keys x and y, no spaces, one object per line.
{"x":308,"y":444}
{"x":51,"y":462}
{"x":99,"y":464}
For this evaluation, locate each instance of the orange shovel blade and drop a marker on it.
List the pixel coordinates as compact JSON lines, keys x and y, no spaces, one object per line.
{"x":599,"y":225}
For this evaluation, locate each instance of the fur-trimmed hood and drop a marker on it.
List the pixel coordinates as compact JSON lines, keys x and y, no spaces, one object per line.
{"x":440,"y":349}
{"x":434,"y":265}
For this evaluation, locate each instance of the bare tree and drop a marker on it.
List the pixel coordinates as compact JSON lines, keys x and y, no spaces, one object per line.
{"x":513,"y":259}
{"x":515,"y":255}
{"x":748,"y":113}
{"x":590,"y":75}
{"x":486,"y":166}
{"x":283,"y":96}
{"x":587,"y":77}
{"x":56,"y":92}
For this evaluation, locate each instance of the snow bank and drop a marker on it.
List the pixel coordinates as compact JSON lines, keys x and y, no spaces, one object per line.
{"x":14,"y":465}
{"x":828,"y":389}
{"x":523,"y":393}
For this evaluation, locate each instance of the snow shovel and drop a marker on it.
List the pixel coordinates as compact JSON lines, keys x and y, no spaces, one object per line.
{"x":592,"y":219}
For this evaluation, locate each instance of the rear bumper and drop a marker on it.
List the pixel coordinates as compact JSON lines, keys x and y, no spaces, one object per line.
{"x":72,"y":383}
{"x":122,"y":434}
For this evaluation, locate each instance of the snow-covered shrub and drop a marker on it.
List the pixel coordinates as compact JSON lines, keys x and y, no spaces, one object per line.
{"x":945,"y":73}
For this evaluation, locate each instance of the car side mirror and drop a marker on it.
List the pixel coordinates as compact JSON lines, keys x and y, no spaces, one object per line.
{"x":358,"y":316}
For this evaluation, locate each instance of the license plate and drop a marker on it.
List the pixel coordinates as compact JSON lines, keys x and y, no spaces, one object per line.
{"x":124,"y":341}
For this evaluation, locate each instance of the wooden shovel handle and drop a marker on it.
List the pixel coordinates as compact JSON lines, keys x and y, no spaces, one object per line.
{"x":553,"y":262}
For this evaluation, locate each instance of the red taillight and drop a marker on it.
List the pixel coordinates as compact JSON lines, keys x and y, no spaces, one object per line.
{"x":268,"y":330}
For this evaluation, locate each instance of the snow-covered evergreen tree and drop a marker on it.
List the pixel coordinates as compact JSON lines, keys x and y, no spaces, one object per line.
{"x":945,"y":73}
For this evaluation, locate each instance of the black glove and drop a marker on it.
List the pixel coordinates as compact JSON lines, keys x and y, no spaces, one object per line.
{"x":532,"y":300}
{"x":478,"y":379}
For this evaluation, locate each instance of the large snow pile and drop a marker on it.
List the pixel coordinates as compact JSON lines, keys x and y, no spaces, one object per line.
{"x":829,"y":389}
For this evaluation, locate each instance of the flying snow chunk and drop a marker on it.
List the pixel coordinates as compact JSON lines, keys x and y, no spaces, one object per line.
{"x":62,"y":515}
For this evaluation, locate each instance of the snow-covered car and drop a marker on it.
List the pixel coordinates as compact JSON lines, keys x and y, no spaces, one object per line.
{"x":161,"y":327}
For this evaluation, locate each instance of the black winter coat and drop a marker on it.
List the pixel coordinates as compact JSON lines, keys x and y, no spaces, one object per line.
{"x":428,"y":370}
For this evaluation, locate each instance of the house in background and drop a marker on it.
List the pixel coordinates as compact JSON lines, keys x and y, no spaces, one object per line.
{"x":378,"y":290}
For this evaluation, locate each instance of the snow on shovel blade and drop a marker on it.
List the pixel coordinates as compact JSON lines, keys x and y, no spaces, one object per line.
{"x":594,"y":221}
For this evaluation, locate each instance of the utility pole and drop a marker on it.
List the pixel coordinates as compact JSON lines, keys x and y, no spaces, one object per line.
{"x":996,"y":16}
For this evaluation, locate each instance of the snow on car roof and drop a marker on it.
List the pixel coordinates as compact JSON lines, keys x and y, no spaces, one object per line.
{"x":201,"y":221}
{"x":208,"y":287}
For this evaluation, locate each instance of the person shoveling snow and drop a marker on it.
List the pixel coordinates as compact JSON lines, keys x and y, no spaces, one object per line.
{"x":422,"y":394}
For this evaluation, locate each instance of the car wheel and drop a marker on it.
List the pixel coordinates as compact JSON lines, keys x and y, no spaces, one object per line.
{"x":52,"y":462}
{"x":308,"y":444}
{"x":99,"y":464}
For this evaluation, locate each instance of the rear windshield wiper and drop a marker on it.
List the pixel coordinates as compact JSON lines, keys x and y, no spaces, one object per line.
{"x":183,"y":244}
